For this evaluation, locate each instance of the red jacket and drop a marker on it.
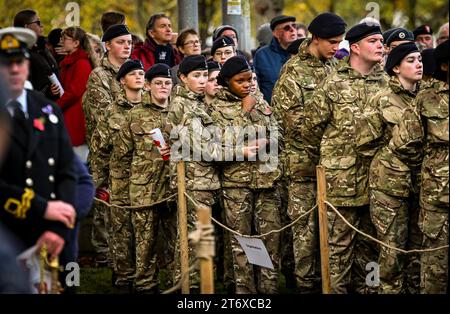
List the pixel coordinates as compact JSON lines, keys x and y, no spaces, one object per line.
{"x":75,"y":70}
{"x":146,"y":53}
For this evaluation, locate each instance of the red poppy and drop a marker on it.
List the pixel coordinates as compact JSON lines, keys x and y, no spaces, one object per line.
{"x":37,"y":123}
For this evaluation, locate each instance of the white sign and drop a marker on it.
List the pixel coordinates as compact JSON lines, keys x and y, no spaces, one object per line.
{"x":234,"y":7}
{"x":256,"y":251}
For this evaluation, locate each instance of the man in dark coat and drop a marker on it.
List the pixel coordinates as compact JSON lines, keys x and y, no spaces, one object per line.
{"x":37,"y":179}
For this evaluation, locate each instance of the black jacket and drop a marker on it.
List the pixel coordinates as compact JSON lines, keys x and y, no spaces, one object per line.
{"x":38,"y":166}
{"x":42,"y":65}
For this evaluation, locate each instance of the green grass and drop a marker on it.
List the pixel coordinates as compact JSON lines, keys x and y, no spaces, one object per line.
{"x":98,"y":281}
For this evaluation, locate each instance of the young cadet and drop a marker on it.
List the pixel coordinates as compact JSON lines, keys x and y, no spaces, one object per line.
{"x":298,"y":80}
{"x":211,"y":87}
{"x":131,"y":78}
{"x":223,"y":48}
{"x":394,"y":190}
{"x":250,"y":196}
{"x":335,"y":133}
{"x":147,"y":177}
{"x":425,"y":133}
{"x":188,"y":116}
{"x":102,"y":89}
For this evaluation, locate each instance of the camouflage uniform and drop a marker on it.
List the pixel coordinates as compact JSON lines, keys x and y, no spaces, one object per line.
{"x":338,"y":125}
{"x":250,"y":193}
{"x":202,"y":178}
{"x":394,"y":202}
{"x":109,"y":124}
{"x":147,"y":182}
{"x":102,"y":88}
{"x":295,"y":86}
{"x":429,"y":129}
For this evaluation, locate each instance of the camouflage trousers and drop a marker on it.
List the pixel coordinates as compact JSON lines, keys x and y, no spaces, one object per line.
{"x":206,"y":198}
{"x":246,"y":208}
{"x":223,"y":261}
{"x":433,"y":222}
{"x":286,"y":242}
{"x":166,"y":240}
{"x":100,"y":233}
{"x":395,"y":219}
{"x":350,"y":252}
{"x":135,"y":234}
{"x":123,"y":244}
{"x":302,"y":197}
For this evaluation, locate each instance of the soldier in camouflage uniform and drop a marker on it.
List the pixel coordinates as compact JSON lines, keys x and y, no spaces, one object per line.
{"x":102,"y":90}
{"x":159,"y":89}
{"x":337,"y":128}
{"x":146,"y":177}
{"x":299,"y":78}
{"x":394,"y":201}
{"x":202,"y":178}
{"x":250,"y":195}
{"x":427,"y":128}
{"x":131,"y":77}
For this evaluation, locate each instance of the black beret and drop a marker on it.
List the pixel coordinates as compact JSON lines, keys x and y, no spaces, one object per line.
{"x":428,"y":60}
{"x":219,"y":30}
{"x":293,"y":47}
{"x":422,"y":30}
{"x":222,"y":41}
{"x":360,"y":31}
{"x":441,"y":53}
{"x":213,"y":66}
{"x":54,"y":37}
{"x":158,"y":70}
{"x":232,"y":66}
{"x":115,"y":31}
{"x":327,"y":25}
{"x":280,"y":19}
{"x":397,"y":54}
{"x":192,"y":63}
{"x":399,"y":34}
{"x":388,"y":33}
{"x":127,"y":67}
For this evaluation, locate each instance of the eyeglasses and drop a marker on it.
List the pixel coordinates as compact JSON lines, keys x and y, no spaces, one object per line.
{"x":38,"y":23}
{"x":225,"y":53}
{"x":289,"y":27}
{"x":193,"y":42}
{"x":66,"y":37}
{"x":160,"y":84}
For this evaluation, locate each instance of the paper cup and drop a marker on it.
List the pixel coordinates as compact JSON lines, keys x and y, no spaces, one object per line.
{"x":158,"y":137}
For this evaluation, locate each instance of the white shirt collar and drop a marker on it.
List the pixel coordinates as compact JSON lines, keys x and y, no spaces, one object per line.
{"x":22,"y":99}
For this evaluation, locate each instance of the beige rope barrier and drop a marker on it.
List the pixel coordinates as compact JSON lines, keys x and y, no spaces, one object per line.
{"x":136,"y":206}
{"x":254,"y":236}
{"x":380,"y":242}
{"x":183,"y":279}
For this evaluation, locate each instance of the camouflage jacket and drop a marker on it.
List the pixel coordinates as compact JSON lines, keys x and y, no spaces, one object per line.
{"x":112,"y":121}
{"x":102,"y":90}
{"x":185,"y":134}
{"x":387,"y":173}
{"x":299,"y":77}
{"x":427,"y":127}
{"x":144,"y":174}
{"x":234,"y":123}
{"x":339,"y":126}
